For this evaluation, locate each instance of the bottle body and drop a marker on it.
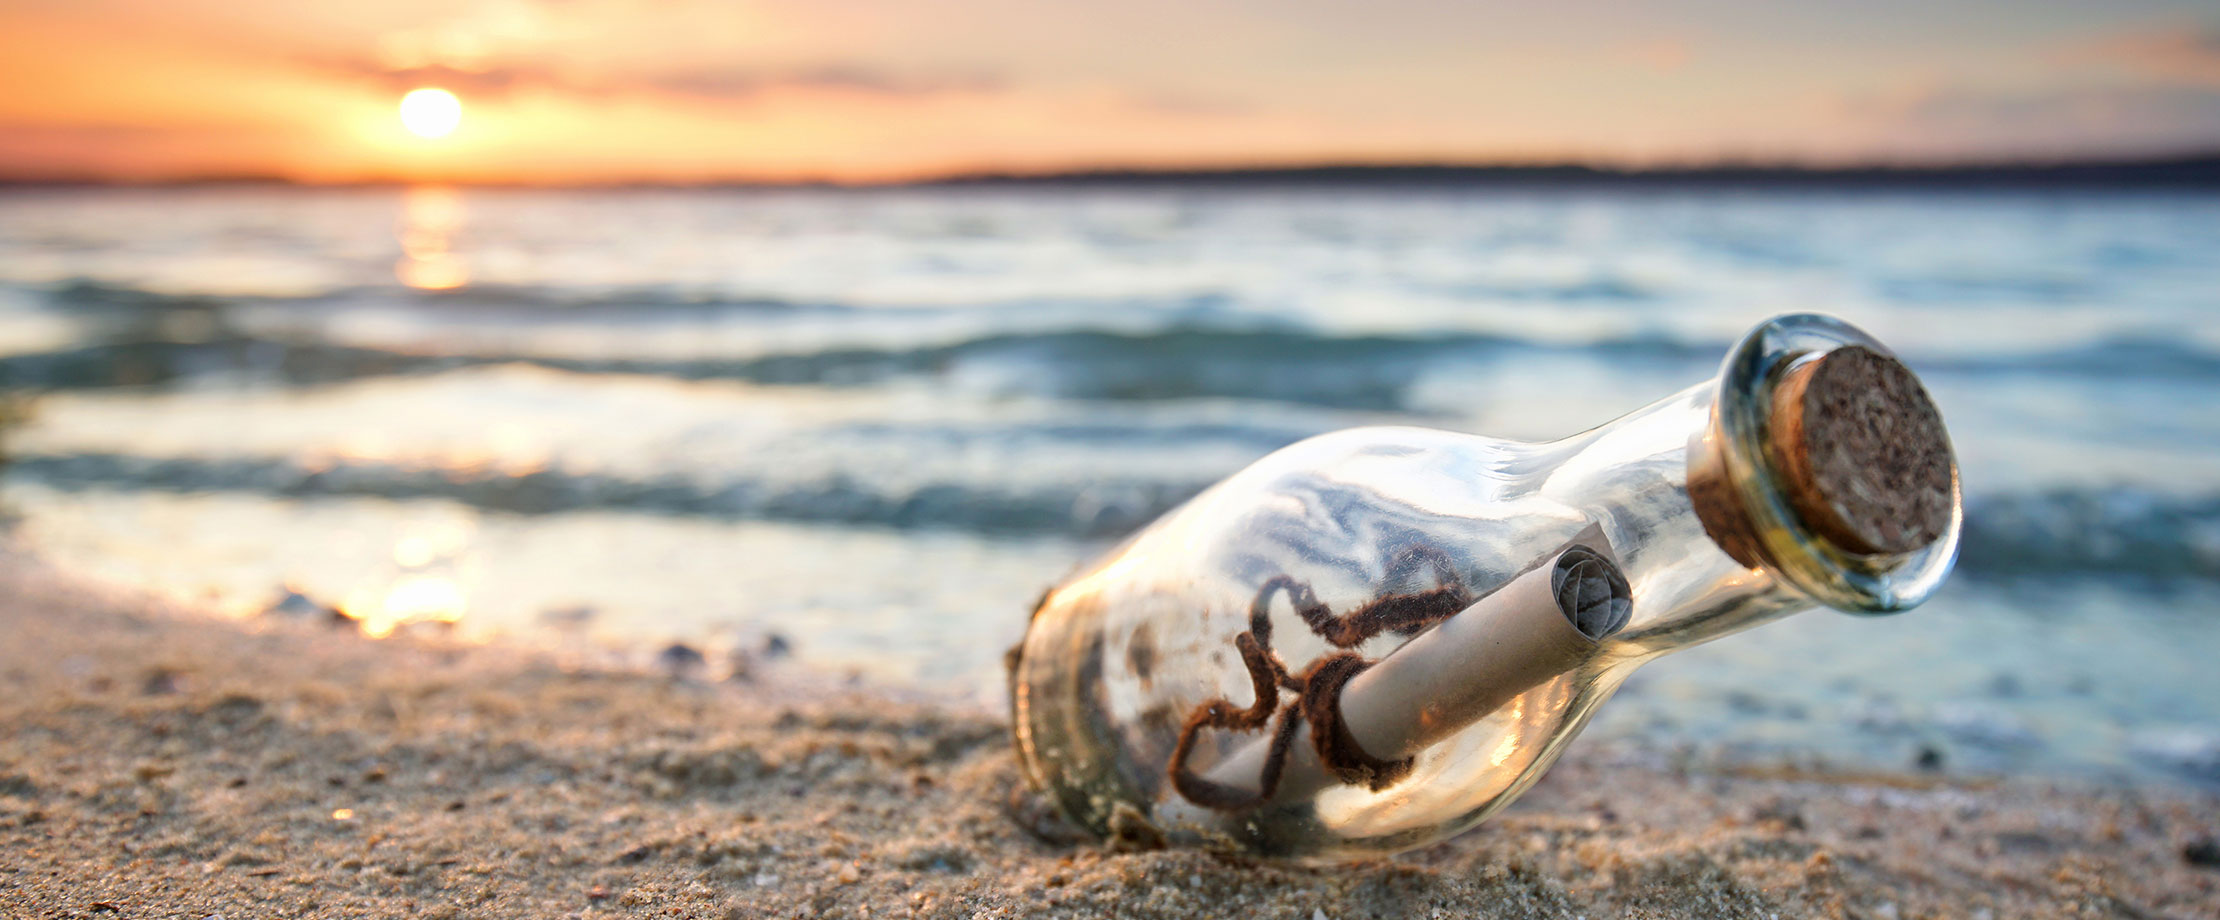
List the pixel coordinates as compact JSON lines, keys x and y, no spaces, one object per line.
{"x":1113,"y":684}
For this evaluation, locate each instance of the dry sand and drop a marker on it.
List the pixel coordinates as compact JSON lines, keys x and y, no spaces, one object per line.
{"x":155,"y":764}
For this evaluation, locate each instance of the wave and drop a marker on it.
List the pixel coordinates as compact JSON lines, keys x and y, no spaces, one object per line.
{"x":1947,"y":291}
{"x":1097,"y":509}
{"x":2096,"y":531}
{"x":1604,"y":290}
{"x":124,"y":304}
{"x":2116,"y":529}
{"x":1196,"y":346}
{"x":153,"y":362}
{"x":84,"y":293}
{"x":1353,"y":372}
{"x":2124,"y":357}
{"x":566,"y":300}
{"x":1372,"y":372}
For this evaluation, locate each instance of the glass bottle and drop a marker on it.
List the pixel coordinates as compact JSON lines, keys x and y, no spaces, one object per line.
{"x":1447,"y":610}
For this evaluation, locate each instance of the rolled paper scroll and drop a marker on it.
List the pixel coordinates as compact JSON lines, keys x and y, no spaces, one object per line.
{"x":1538,"y":625}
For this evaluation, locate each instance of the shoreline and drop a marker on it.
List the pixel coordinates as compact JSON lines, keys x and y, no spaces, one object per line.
{"x":157,"y":763}
{"x":2183,"y":169}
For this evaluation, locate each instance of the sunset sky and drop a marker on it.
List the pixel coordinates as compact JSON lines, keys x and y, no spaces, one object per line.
{"x":682,"y":90}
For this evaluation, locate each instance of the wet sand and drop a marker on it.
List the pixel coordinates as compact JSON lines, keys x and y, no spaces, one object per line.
{"x":154,"y":763}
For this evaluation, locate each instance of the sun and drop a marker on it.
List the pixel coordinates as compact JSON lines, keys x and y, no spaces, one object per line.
{"x":430,"y":112}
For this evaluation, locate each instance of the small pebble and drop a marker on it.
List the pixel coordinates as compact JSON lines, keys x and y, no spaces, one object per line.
{"x":2203,"y":852}
{"x":680,"y":661}
{"x":1785,"y":812}
{"x":162,"y":682}
{"x":1132,"y":832}
{"x":849,"y":874}
{"x":291,"y":602}
{"x":570,"y":617}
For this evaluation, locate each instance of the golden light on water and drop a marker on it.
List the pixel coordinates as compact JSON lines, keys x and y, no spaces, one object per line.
{"x":430,"y":112}
{"x":431,"y":216}
{"x":414,"y":599}
{"x":414,"y":552}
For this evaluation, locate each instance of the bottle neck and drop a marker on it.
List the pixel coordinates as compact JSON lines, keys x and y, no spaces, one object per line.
{"x":1813,"y":471}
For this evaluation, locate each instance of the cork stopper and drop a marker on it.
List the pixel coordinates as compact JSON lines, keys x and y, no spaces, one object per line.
{"x":1864,"y":456}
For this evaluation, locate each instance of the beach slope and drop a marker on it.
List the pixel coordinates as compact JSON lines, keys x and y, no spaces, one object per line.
{"x":158,"y":764}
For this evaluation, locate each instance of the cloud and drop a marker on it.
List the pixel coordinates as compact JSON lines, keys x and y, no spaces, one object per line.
{"x":721,"y":84}
{"x":2184,"y":53}
{"x":2140,"y":91}
{"x":850,"y":78}
{"x":2116,"y":120}
{"x":35,"y":149}
{"x":28,"y":134}
{"x":1187,"y":105}
{"x":486,"y":82}
{"x":1663,"y":55}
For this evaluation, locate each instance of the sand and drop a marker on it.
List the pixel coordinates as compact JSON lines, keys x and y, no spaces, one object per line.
{"x":155,"y":762}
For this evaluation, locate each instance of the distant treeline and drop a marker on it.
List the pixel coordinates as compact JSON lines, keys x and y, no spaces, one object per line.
{"x":2199,"y":171}
{"x":2178,"y":172}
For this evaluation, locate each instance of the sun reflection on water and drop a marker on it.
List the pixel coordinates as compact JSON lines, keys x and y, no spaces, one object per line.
{"x":408,"y":601}
{"x":431,"y":216}
{"x":426,"y":588}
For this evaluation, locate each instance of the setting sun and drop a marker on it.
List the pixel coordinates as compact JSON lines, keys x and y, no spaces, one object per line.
{"x":430,"y":112}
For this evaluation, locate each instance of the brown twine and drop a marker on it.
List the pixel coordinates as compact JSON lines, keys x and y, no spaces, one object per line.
{"x":1337,"y":749}
{"x":1318,"y":689}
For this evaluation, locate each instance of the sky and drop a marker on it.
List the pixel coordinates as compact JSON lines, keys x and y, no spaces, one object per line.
{"x":858,"y":90}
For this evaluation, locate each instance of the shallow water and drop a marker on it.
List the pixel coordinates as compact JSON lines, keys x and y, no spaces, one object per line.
{"x":878,"y":423}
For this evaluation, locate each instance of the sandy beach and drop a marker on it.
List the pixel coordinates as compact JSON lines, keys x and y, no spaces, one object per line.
{"x":519,"y":458}
{"x":159,"y":763}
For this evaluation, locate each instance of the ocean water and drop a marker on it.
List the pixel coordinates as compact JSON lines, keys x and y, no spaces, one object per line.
{"x":875,"y":424}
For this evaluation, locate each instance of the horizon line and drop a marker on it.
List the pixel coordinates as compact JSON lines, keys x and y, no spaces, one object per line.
{"x":2191,"y":169}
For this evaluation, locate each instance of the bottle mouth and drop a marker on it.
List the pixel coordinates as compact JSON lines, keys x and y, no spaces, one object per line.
{"x":1826,"y":464}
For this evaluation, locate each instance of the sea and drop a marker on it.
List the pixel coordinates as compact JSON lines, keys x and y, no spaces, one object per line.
{"x":858,"y":431}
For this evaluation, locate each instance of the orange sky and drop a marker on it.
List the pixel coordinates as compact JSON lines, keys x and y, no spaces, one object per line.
{"x":614,"y":90}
